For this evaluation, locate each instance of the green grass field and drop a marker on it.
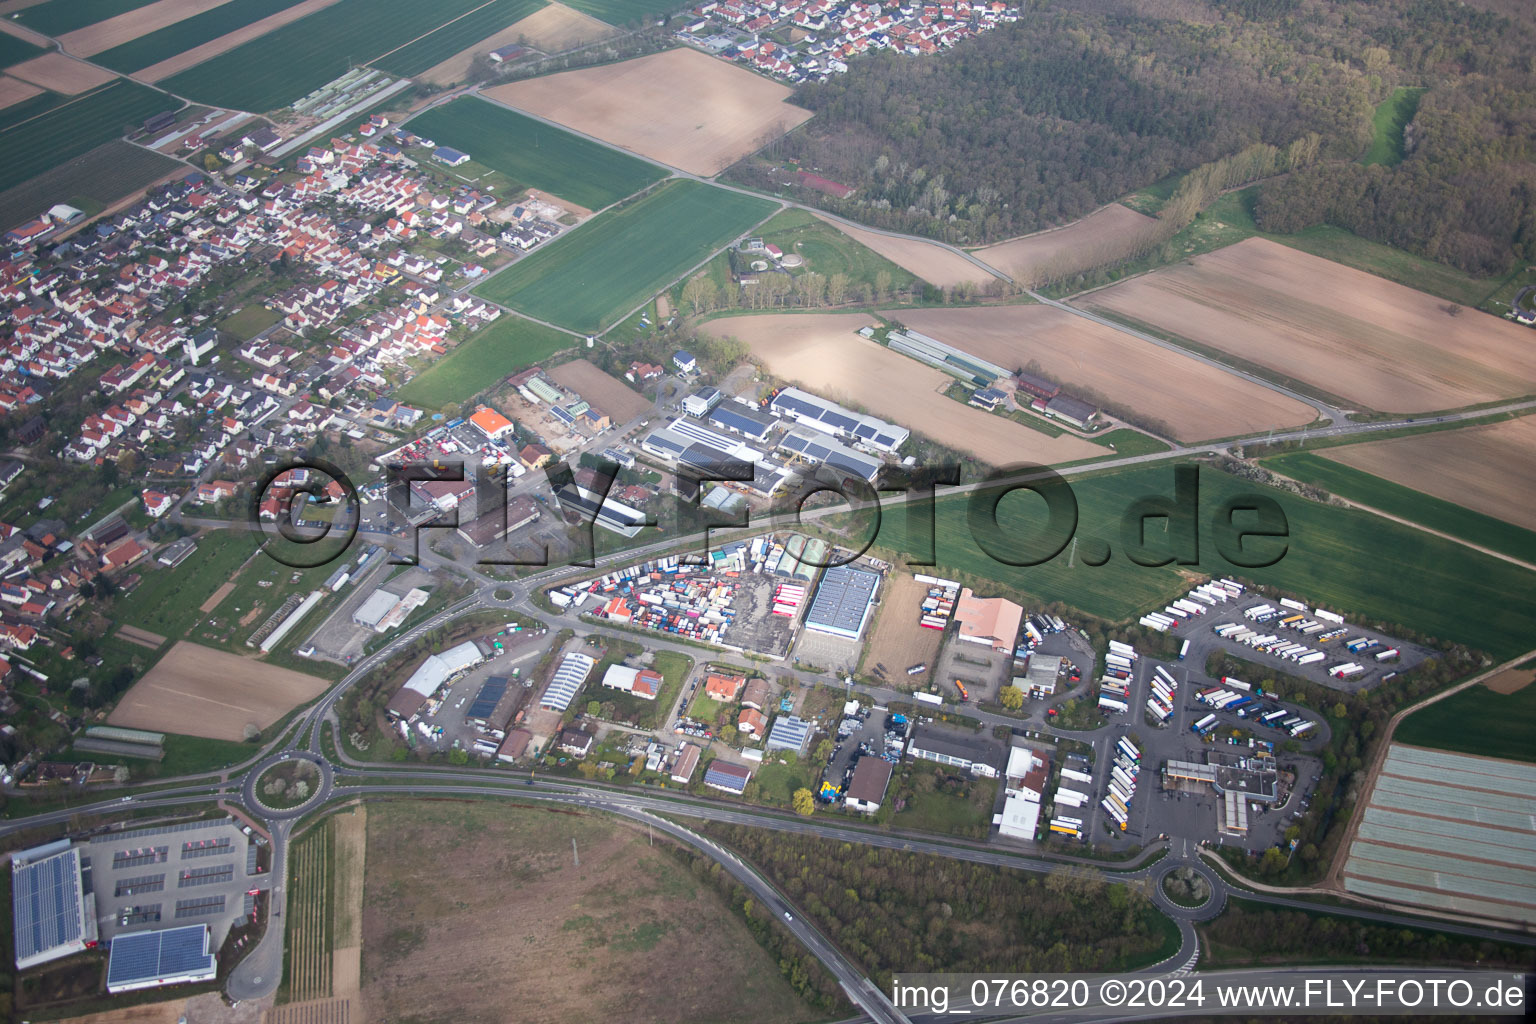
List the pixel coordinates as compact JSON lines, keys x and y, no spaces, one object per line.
{"x":503,"y":348}
{"x":433,"y":49}
{"x":1126,"y":441}
{"x":1477,"y":721}
{"x":828,"y":251}
{"x":535,"y":154}
{"x":59,"y":16}
{"x":249,"y":321}
{"x":75,"y":128}
{"x":167,"y":601}
{"x":625,"y":12}
{"x":1392,"y":116}
{"x":1394,"y":498}
{"x":598,"y":272}
{"x":286,"y":64}
{"x":14,"y":51}
{"x":1345,"y":559}
{"x":153,"y":47}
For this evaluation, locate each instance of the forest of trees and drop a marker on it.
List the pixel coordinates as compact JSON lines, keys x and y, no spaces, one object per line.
{"x":892,"y":911}
{"x":1083,"y":101}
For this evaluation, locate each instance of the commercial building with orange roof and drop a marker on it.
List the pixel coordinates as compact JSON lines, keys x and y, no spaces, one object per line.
{"x":990,"y":621}
{"x":490,"y":422}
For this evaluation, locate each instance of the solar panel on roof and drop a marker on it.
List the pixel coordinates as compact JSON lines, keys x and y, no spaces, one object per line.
{"x":146,"y":957}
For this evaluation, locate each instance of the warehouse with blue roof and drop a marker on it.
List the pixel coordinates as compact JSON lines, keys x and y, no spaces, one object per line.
{"x":53,"y":914}
{"x":843,"y":603}
{"x":831,"y":418}
{"x":171,"y":956}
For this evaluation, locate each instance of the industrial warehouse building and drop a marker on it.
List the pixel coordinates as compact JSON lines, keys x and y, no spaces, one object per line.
{"x":173,"y":956}
{"x":383,"y":611}
{"x":843,"y":602}
{"x":866,"y":790}
{"x":496,"y":522}
{"x":434,"y":672}
{"x":567,"y":682}
{"x":1025,"y":779}
{"x":52,"y":915}
{"x":969,"y":753}
{"x":726,"y":777}
{"x":820,"y":449}
{"x":831,"y":418}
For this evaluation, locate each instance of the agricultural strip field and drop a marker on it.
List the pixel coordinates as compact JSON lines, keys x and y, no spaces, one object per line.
{"x":1490,"y":469}
{"x":60,"y":73}
{"x":75,"y":128}
{"x":1344,"y":331}
{"x":823,"y":353}
{"x":1404,"y":502}
{"x":200,"y":691}
{"x":274,"y":70}
{"x":101,"y":177}
{"x":194,"y":56}
{"x":1449,"y":832}
{"x":432,"y":49}
{"x":535,"y":154}
{"x":621,"y":402}
{"x":923,"y":260}
{"x":1075,"y":243}
{"x":458,"y":894}
{"x":167,"y":42}
{"x":679,"y":107}
{"x":151,"y":18}
{"x":28,"y":104}
{"x":310,"y":930}
{"x":828,"y":251}
{"x":1348,"y":560}
{"x":592,"y":276}
{"x":624,"y":12}
{"x":60,"y":16}
{"x":14,"y":50}
{"x":14,"y":91}
{"x":1478,"y":720}
{"x":488,"y":355}
{"x":1195,"y":400}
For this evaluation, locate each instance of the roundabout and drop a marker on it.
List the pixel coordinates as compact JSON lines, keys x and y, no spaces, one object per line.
{"x":1187,"y":890}
{"x":287,"y":785}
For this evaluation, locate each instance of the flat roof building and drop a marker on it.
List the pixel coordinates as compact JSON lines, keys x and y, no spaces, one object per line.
{"x":372,"y":611}
{"x":171,"y":956}
{"x":971,"y":753}
{"x":831,"y":418}
{"x":641,"y":682}
{"x":843,"y":602}
{"x":51,"y":914}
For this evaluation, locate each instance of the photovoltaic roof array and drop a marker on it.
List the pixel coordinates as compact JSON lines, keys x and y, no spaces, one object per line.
{"x":46,"y":906}
{"x":148,"y":956}
{"x":491,"y":692}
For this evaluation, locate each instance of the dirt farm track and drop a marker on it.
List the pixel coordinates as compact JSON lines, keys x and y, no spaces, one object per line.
{"x":822,"y":353}
{"x":679,"y":107}
{"x":199,"y":691}
{"x":1346,"y":332}
{"x":1197,"y":401}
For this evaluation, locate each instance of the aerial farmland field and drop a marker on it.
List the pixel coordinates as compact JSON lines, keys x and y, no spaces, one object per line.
{"x":536,"y":154}
{"x":1024,"y":257}
{"x":1396,"y":573}
{"x":274,"y":70}
{"x":180,"y":36}
{"x":76,"y":127}
{"x":624,"y":12}
{"x":60,"y":16}
{"x":490,"y":354}
{"x":142,"y":21}
{"x":90,"y":181}
{"x":13,"y":50}
{"x":594,"y":275}
{"x":679,"y":107}
{"x":1344,"y":331}
{"x":418,"y":55}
